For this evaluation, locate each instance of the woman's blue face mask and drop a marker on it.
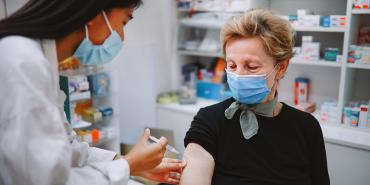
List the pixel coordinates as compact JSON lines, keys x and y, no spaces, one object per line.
{"x":249,"y":89}
{"x":89,"y":54}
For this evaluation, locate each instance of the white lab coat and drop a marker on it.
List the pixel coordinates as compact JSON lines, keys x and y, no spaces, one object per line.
{"x":36,"y":145}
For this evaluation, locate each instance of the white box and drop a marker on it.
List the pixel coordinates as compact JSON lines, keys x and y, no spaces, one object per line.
{"x":309,"y":21}
{"x":311,"y":51}
{"x":338,"y":21}
{"x":334,"y":18}
{"x":313,"y":20}
{"x":307,"y":38}
{"x":368,"y":115}
{"x":230,"y":6}
{"x":303,"y":12}
{"x":362,"y":123}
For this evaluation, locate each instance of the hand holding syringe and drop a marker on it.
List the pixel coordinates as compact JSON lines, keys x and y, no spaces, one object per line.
{"x":168,"y":147}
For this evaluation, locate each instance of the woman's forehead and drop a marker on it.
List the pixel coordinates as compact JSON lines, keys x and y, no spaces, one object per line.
{"x":247,"y":49}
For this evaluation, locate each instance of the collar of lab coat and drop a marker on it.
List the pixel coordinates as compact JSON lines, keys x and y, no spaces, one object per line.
{"x":50,"y":50}
{"x":48,"y":46}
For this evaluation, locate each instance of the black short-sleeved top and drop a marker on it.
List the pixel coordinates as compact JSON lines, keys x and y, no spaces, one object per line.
{"x":287,"y":150}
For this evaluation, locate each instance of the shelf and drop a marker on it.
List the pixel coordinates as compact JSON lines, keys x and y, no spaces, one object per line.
{"x":318,"y":29}
{"x":81,"y":124}
{"x":81,"y":96}
{"x":86,"y":71}
{"x":105,"y":120}
{"x":189,"y":109}
{"x":294,"y":61}
{"x":352,"y":137}
{"x":297,"y":61}
{"x":202,"y":23}
{"x":217,"y":24}
{"x":359,"y":66}
{"x":199,"y":53}
{"x":360,"y":11}
{"x":186,"y":10}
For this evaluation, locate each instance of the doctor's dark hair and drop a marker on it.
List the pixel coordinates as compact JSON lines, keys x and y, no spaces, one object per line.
{"x":52,"y":19}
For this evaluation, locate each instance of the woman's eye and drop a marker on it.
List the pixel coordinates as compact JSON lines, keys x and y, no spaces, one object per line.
{"x":231,"y":66}
{"x":253,"y":68}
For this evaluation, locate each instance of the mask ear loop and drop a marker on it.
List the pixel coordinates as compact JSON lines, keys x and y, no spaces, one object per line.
{"x":107,"y":21}
{"x":275,"y":81}
{"x":87,"y":33}
{"x":267,"y":76}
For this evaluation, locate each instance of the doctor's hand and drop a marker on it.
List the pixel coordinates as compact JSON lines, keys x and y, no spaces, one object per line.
{"x":169,"y":171}
{"x":146,"y":156}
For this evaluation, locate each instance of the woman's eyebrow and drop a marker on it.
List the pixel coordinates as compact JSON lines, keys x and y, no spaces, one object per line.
{"x":229,"y":60}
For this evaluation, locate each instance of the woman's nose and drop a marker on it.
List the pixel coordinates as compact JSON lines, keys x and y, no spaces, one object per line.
{"x":241,"y":71}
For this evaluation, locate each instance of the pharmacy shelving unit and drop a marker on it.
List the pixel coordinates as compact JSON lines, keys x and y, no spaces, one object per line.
{"x":330,"y":81}
{"x":112,"y":142}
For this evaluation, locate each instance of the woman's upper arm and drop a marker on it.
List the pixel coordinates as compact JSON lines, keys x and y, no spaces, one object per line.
{"x":200,"y":166}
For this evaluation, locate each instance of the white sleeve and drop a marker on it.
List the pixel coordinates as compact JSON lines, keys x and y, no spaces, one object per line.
{"x":107,"y":172}
{"x":34,"y":148}
{"x":83,"y":154}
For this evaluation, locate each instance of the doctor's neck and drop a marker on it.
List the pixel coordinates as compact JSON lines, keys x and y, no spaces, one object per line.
{"x":66,"y":46}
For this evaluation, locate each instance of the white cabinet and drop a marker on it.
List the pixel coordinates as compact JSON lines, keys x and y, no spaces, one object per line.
{"x":176,"y":121}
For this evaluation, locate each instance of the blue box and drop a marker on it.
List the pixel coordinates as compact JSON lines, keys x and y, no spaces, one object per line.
{"x":325,"y":21}
{"x":213,"y":91}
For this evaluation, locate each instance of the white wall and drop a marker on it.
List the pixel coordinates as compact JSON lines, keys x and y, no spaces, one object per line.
{"x":144,"y":67}
{"x":2,"y":9}
{"x":13,"y":5}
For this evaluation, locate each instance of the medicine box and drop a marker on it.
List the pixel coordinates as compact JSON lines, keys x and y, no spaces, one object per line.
{"x":213,"y":91}
{"x":311,"y":51}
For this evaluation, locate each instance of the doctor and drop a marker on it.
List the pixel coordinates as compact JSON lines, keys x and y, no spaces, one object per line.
{"x":37,"y":146}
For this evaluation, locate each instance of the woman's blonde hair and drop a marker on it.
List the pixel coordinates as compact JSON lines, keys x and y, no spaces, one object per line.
{"x":276,"y":33}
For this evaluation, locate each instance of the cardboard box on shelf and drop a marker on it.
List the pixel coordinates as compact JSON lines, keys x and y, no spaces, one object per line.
{"x":311,"y":51}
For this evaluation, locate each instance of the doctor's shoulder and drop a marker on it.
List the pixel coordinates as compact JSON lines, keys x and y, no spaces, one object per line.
{"x":19,"y":51}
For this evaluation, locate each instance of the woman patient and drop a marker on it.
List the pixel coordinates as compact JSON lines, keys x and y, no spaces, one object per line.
{"x":252,"y":138}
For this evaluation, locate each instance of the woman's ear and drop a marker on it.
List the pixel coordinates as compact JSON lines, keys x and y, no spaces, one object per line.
{"x":283,"y":67}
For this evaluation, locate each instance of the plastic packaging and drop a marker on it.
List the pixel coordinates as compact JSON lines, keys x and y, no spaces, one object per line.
{"x":301,"y":90}
{"x":330,"y":54}
{"x":355,"y":113}
{"x":363,"y":116}
{"x":347,"y":116}
{"x":100,"y":84}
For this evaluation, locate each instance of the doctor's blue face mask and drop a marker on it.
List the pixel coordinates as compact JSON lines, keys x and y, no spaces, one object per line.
{"x":249,"y":89}
{"x":89,"y":54}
